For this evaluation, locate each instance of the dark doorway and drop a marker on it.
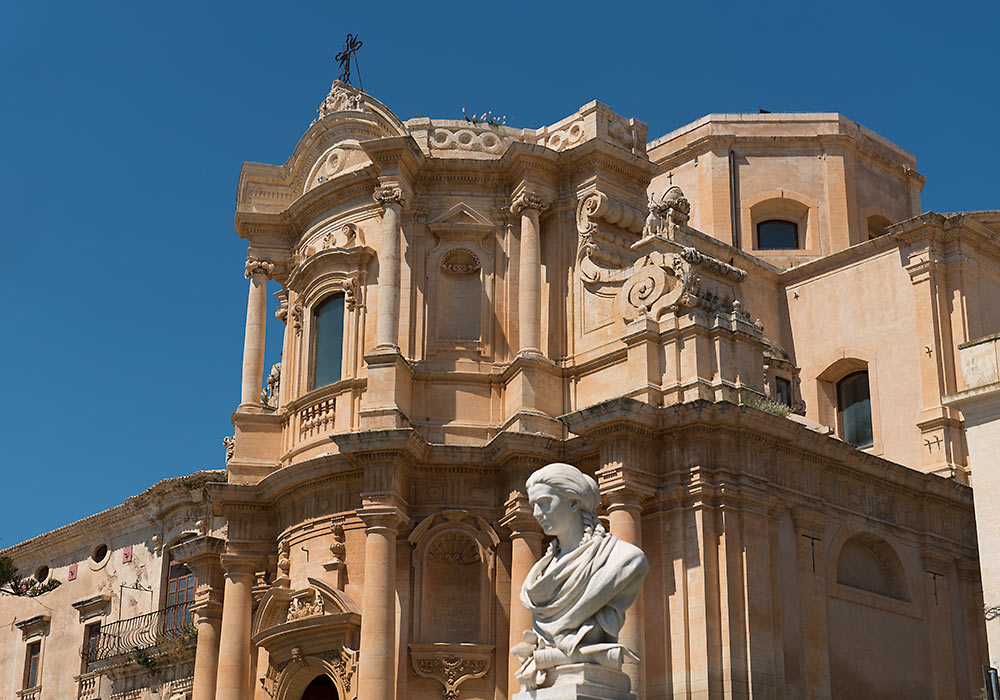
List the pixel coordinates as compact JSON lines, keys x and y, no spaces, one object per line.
{"x":321,"y":688}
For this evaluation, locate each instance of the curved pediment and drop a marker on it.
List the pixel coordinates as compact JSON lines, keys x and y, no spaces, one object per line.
{"x":329,"y":147}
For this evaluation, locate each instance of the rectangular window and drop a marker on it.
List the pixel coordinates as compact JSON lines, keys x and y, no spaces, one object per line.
{"x":32,"y":656}
{"x":91,"y":638}
{"x":181,"y":583}
{"x":783,"y":391}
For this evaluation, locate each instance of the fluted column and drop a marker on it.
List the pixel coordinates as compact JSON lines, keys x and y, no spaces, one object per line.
{"x":525,"y":550}
{"x":257,"y":271}
{"x":624,"y":516}
{"x":377,"y":673}
{"x":389,"y":256}
{"x":529,"y":205}
{"x":234,"y":641}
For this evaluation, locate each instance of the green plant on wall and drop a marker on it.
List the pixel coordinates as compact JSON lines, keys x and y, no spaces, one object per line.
{"x":143,"y":659}
{"x":11,"y":582}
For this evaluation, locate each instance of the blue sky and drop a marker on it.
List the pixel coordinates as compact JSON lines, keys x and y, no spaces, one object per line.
{"x":123,"y":127}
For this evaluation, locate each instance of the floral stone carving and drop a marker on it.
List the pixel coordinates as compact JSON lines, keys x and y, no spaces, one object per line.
{"x":451,"y":665}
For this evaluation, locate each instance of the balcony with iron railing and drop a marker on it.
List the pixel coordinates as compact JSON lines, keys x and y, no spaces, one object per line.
{"x":148,"y":641}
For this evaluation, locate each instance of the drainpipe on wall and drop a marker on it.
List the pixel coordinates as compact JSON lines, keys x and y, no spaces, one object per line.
{"x":734,"y":199}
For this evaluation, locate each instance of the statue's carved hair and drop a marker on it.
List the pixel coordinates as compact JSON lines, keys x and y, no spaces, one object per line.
{"x":575,"y":486}
{"x":570,"y":481}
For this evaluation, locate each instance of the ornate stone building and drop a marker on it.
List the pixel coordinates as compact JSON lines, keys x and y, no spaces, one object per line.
{"x":745,"y":329}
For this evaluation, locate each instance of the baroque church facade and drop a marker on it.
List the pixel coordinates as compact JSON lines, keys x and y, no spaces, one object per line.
{"x":745,"y":330}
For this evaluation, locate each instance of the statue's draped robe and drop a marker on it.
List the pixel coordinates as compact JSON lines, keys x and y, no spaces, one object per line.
{"x":578,"y":600}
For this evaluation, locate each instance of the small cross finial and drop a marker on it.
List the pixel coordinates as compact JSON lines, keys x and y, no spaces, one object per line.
{"x":351,"y":46}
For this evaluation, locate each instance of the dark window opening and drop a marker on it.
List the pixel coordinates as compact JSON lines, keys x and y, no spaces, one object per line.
{"x":91,"y":638}
{"x":783,"y":390}
{"x":32,"y":656}
{"x":321,"y":688}
{"x":877,"y":226}
{"x":855,"y":410}
{"x":328,"y":348}
{"x":777,"y":235}
{"x":100,"y":551}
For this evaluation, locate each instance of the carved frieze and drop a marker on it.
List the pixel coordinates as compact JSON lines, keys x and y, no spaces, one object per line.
{"x":471,"y":139}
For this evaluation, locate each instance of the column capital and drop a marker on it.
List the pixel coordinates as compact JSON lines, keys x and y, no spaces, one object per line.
{"x":207,"y":608}
{"x":241,"y":564}
{"x":518,"y":518}
{"x":258,"y":266}
{"x":382,"y":517}
{"x":390,"y":194}
{"x":527,"y":200}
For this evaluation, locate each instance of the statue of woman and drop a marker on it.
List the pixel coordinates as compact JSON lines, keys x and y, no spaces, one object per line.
{"x":579,"y":590}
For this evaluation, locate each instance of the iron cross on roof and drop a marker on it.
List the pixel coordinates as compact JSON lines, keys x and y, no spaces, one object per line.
{"x":351,"y":46}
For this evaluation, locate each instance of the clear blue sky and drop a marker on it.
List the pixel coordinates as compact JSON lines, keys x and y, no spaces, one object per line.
{"x":123,"y":127}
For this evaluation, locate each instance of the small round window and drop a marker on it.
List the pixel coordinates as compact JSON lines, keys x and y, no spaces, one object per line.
{"x":100,"y":551}
{"x":41,"y":573}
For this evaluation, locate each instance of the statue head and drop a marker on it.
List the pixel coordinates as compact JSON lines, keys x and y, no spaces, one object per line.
{"x":564,"y":501}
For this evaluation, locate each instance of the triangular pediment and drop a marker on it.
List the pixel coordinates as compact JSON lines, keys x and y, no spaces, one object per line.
{"x":461,"y":216}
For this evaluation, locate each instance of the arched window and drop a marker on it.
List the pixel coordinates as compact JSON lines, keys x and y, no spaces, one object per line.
{"x":328,"y":346}
{"x":854,"y":409}
{"x":777,"y":234}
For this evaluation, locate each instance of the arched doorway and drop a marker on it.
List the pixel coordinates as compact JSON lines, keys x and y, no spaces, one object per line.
{"x":321,"y":688}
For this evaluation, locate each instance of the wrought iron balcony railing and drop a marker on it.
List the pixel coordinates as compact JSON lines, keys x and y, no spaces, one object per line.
{"x":142,"y":633}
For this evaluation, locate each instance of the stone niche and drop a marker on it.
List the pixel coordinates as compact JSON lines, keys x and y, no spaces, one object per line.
{"x":453,"y":563}
{"x":459,"y":274}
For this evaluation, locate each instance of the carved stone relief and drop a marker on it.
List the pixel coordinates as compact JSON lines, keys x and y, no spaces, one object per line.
{"x":460,"y":261}
{"x":341,"y":98}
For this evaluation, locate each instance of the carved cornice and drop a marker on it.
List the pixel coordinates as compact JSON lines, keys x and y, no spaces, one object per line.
{"x":93,"y":606}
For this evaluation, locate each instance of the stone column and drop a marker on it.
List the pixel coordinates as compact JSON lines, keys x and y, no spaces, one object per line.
{"x":234,"y":639}
{"x":377,"y":673}
{"x":525,"y":550}
{"x":529,"y":205}
{"x":206,"y":659}
{"x":389,"y":257}
{"x":257,"y":271}
{"x":203,"y":555}
{"x":625,"y":518}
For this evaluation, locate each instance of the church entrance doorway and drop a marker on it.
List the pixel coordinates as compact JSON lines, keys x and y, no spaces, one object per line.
{"x":321,"y":688}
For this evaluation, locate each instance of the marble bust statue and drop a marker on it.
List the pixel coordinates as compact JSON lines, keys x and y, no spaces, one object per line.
{"x":579,"y":590}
